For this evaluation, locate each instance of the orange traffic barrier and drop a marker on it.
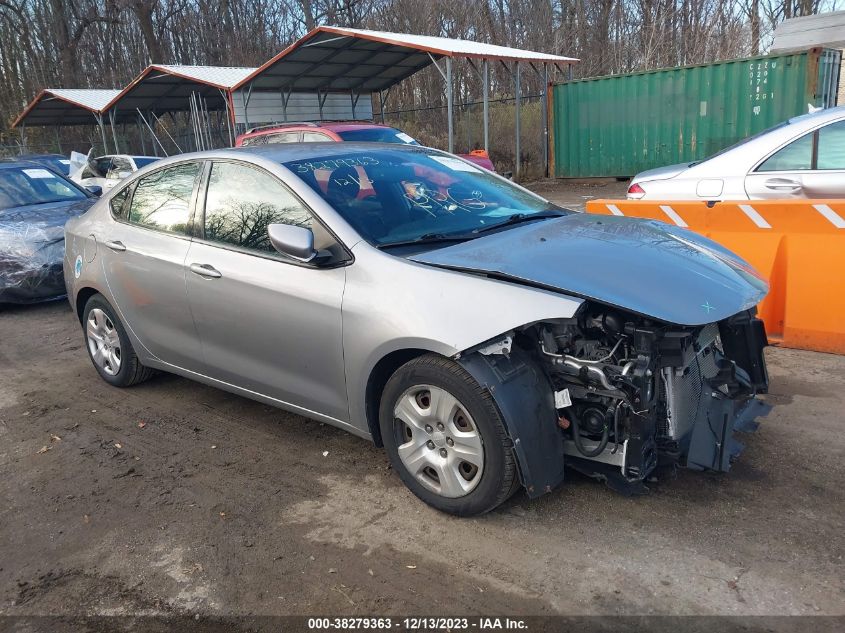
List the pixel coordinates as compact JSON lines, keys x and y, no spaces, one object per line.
{"x":798,"y":245}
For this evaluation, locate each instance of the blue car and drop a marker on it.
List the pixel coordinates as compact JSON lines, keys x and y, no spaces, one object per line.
{"x":35,"y":203}
{"x":58,"y":163}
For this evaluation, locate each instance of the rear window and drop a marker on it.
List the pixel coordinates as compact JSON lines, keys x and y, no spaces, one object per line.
{"x":378,"y":135}
{"x":25,"y":186}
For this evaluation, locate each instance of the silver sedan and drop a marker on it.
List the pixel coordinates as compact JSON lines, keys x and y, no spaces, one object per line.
{"x":803,"y":157}
{"x":483,"y":336}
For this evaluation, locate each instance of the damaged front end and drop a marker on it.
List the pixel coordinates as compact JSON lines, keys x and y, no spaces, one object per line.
{"x":614,"y":395}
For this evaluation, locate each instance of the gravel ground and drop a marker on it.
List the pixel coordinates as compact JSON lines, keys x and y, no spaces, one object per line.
{"x":176,"y":498}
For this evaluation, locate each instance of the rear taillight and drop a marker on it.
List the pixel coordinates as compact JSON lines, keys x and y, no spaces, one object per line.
{"x":635,"y":191}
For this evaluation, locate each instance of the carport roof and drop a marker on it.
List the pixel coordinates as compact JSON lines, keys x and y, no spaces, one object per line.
{"x":339,"y":59}
{"x":167,"y":88}
{"x":65,"y":106}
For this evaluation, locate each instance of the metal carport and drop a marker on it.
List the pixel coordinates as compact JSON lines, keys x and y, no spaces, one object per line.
{"x":333,"y":59}
{"x":168,"y":88}
{"x":66,"y":106}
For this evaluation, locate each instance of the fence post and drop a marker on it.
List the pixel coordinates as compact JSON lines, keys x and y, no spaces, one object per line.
{"x":545,"y":116}
{"x":449,"y":104}
{"x":517,"y":118}
{"x":486,"y":70}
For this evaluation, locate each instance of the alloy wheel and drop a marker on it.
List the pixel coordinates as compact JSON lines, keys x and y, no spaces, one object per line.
{"x":103,"y":341}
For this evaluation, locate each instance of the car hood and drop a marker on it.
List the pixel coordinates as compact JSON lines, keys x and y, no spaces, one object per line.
{"x":661,"y":173}
{"x":51,"y":214}
{"x":644,"y":266}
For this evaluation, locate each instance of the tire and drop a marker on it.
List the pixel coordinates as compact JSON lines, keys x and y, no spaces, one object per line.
{"x":439,"y":464}
{"x":109,"y":347}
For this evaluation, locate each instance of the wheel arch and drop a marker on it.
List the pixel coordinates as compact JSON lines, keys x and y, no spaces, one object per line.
{"x":82,"y":297}
{"x":376,"y":381}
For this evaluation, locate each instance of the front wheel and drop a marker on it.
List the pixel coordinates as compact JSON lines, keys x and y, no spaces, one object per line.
{"x":445,"y":437}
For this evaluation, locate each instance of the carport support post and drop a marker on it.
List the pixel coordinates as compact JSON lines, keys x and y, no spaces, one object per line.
{"x":153,"y":138}
{"x":113,"y":132}
{"x":103,"y":133}
{"x":141,"y":135}
{"x":517,"y":116}
{"x":23,"y":138}
{"x":545,"y":116}
{"x":449,"y":104}
{"x":485,"y":69}
{"x":231,"y":135}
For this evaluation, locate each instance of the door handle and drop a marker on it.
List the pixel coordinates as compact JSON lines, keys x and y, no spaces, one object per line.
{"x":116,"y":245}
{"x":782,"y":183}
{"x":205,"y":270}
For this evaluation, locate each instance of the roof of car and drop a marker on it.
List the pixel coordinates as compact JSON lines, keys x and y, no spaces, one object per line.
{"x":826,"y":113}
{"x":40,"y":156}
{"x":11,"y":163}
{"x":283,"y":152}
{"x":334,"y":126}
{"x":125,"y":156}
{"x":345,"y":127}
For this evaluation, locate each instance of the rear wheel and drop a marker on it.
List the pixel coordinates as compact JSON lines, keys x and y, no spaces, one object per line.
{"x":445,"y":437}
{"x":109,"y":347}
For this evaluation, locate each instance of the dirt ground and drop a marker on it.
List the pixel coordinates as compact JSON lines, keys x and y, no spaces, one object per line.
{"x":176,"y":498}
{"x":574,"y":194}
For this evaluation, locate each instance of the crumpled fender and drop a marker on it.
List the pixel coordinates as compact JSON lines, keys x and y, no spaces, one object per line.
{"x":525,"y":399}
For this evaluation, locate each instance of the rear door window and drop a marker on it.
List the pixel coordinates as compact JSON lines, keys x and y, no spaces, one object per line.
{"x":254,"y":140}
{"x":315,"y":137}
{"x":831,"y":152}
{"x":284,"y":137}
{"x":797,"y":156}
{"x":162,"y":200}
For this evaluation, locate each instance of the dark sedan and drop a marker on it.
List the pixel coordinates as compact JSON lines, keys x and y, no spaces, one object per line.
{"x":58,"y":163}
{"x":35,"y":203}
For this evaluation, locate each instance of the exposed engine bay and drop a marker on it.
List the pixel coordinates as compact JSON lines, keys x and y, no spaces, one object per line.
{"x":632,"y":393}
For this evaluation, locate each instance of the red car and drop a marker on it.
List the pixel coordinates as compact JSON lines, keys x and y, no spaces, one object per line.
{"x":341,"y":131}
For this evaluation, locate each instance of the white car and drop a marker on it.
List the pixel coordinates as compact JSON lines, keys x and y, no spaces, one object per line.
{"x":803,"y":157}
{"x":106,"y":171}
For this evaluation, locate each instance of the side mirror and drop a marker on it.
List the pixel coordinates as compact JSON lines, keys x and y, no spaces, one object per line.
{"x":293,"y":241}
{"x":96,"y":190}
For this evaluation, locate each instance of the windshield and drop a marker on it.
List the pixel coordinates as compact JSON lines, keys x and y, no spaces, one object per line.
{"x":377,"y":135}
{"x":23,"y":186}
{"x":143,"y":161}
{"x":397,"y":196}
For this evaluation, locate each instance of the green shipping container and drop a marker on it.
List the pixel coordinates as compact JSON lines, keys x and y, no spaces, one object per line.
{"x":623,"y":124}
